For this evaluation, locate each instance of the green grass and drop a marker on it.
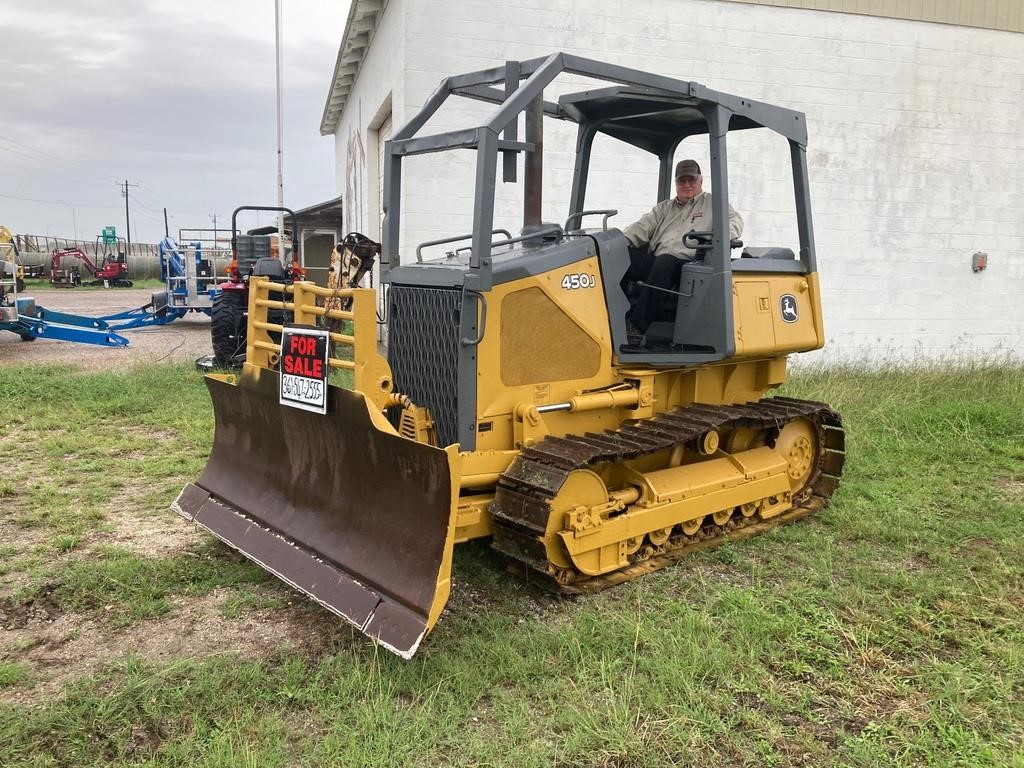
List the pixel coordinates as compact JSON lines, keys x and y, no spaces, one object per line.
{"x":94,"y":437}
{"x":146,"y":282}
{"x":129,"y":587}
{"x":885,"y":630}
{"x":12,"y":673}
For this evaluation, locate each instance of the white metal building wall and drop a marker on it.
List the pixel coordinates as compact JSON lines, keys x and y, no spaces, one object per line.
{"x":381,"y":79}
{"x":916,"y":156}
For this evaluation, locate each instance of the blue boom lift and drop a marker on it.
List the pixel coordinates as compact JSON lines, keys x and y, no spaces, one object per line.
{"x":189,"y":286}
{"x":20,"y":315}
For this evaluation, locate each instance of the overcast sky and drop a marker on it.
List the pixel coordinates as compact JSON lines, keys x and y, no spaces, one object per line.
{"x":177,"y":97}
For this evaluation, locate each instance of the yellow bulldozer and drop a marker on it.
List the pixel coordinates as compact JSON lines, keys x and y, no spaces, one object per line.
{"x":511,"y":403}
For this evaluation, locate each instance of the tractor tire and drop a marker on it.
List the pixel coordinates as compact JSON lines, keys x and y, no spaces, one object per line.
{"x":228,"y":327}
{"x":27,"y":337}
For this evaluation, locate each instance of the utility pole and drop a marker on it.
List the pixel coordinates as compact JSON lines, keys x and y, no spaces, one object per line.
{"x":127,"y":221}
{"x":167,"y":229}
{"x":280,"y":128}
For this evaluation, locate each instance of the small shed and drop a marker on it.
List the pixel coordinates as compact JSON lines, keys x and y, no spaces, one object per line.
{"x":320,"y":226}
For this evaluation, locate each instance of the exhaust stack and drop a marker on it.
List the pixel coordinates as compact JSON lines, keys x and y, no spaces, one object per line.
{"x":533,"y":176}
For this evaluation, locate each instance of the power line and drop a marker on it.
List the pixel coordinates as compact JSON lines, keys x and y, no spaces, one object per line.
{"x":54,"y":157}
{"x":20,"y":154}
{"x":74,"y":175}
{"x":137,"y":212}
{"x":58,"y":202}
{"x":140,"y":198}
{"x":138,"y":201}
{"x":127,"y":220}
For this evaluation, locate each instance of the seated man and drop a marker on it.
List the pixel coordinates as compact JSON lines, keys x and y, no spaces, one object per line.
{"x":657,"y":253}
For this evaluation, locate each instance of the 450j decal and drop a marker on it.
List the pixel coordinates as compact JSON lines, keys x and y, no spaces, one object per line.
{"x":578,"y":280}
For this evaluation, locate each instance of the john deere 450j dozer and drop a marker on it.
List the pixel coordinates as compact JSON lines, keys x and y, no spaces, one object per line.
{"x":510,"y":403}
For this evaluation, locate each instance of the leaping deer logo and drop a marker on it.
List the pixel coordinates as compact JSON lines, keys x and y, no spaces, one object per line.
{"x":787,"y":303}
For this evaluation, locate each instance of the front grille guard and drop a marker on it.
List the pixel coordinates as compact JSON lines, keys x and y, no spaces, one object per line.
{"x":424,"y":351}
{"x":310,"y":304}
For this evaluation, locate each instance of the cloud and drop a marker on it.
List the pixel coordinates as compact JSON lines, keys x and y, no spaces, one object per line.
{"x":177,"y":98}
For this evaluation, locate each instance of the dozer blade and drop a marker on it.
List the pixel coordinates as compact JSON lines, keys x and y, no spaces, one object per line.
{"x":360,"y":519}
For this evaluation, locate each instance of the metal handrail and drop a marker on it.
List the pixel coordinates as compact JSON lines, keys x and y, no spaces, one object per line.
{"x":608,"y":213}
{"x":551,"y":229}
{"x":445,"y":240}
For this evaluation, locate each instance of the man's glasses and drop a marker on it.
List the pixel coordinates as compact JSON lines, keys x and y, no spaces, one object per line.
{"x":687,"y":180}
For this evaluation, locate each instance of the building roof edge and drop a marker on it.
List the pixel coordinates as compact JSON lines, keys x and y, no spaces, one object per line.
{"x":363,"y":17}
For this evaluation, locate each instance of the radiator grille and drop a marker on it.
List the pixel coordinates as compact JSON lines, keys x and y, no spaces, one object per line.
{"x":423,"y":350}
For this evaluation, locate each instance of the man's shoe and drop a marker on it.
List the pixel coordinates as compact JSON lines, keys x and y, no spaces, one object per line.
{"x":634,"y":336}
{"x":650,"y":346}
{"x":659,"y":345}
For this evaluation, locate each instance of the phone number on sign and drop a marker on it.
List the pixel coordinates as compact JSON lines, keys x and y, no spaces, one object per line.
{"x":303,"y":390}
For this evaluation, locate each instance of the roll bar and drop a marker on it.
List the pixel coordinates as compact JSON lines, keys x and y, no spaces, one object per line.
{"x":652,"y":112}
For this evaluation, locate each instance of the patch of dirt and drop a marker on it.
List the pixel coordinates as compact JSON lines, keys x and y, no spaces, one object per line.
{"x":185,"y":339}
{"x":35,"y":613}
{"x":25,"y":538}
{"x":872,"y":707}
{"x":916,"y":562}
{"x":26,"y":541}
{"x":11,"y":437}
{"x":1013,"y":488}
{"x":19,"y":468}
{"x":147,"y":532}
{"x":151,"y":434}
{"x":466,"y":599}
{"x":721,"y":573}
{"x":979,"y":546}
{"x":155,"y":533}
{"x":690,"y":578}
{"x":143,"y":741}
{"x":152,"y":535}
{"x":59,"y":648}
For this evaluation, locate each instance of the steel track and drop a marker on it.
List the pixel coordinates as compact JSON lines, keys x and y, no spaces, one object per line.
{"x":526,"y":490}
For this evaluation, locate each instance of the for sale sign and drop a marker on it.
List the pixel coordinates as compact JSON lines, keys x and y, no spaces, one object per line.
{"x":304,"y":368}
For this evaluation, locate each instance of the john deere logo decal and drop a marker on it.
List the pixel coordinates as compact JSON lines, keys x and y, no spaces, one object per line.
{"x":787,"y":303}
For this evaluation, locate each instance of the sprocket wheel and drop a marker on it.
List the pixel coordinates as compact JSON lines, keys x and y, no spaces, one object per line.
{"x":798,"y":443}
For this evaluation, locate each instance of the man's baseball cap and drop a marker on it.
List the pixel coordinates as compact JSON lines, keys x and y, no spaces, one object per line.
{"x":687,"y":168}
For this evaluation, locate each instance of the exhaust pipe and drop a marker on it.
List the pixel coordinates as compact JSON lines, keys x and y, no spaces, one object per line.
{"x":533,"y":176}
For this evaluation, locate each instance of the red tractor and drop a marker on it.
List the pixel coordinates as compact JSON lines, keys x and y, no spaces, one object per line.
{"x":112,"y":271}
{"x":262,"y":255}
{"x":252,"y":256}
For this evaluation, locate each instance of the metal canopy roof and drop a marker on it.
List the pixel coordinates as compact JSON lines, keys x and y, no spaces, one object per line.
{"x":648,"y":118}
{"x":326,"y":215}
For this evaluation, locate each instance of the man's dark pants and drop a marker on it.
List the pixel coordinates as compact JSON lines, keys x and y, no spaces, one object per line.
{"x":655,"y":272}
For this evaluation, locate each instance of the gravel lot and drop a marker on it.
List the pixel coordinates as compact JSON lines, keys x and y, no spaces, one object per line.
{"x":184,"y":339}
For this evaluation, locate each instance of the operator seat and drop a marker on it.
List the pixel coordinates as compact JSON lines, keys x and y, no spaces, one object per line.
{"x":269,"y":267}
